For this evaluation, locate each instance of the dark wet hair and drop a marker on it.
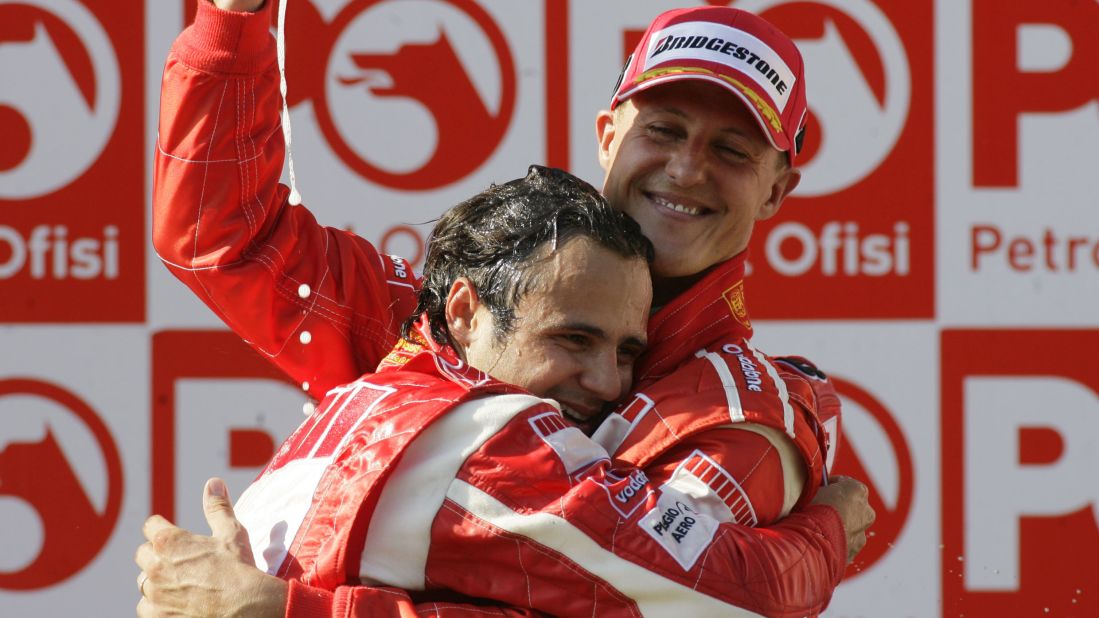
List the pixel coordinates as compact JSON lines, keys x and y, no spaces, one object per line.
{"x":493,"y":238}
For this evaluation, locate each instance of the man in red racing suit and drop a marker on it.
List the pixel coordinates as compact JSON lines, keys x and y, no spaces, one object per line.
{"x":223,"y":225}
{"x":497,"y":496}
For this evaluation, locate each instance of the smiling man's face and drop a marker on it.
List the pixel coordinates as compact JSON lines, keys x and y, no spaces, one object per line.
{"x":688,"y":161}
{"x":576,"y":334}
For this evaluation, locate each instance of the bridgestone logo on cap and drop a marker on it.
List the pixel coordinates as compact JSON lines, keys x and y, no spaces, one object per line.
{"x":724,"y":45}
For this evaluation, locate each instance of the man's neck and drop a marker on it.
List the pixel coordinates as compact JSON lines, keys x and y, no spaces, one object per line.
{"x":666,"y":289}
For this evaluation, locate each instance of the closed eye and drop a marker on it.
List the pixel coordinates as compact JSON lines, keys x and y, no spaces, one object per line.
{"x":662,"y":132}
{"x":732,"y":152}
{"x":629,"y":353}
{"x":575,"y":341}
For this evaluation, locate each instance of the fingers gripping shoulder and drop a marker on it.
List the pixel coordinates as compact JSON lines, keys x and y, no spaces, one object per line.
{"x":825,"y":400}
{"x":823,"y":405}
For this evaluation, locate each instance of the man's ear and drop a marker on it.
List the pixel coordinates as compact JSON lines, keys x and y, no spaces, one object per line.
{"x":784,"y":184}
{"x":604,"y":133}
{"x":461,"y":312}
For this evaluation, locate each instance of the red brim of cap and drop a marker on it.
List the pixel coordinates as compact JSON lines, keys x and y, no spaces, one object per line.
{"x":766,"y":117}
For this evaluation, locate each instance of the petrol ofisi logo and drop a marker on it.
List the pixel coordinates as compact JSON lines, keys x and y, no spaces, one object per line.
{"x":62,"y":484}
{"x":418,"y":94}
{"x":218,"y":409}
{"x":71,"y":162}
{"x":849,"y":236}
{"x":873,"y":448}
{"x":61,"y":96}
{"x":1009,"y":82}
{"x":1020,"y":436}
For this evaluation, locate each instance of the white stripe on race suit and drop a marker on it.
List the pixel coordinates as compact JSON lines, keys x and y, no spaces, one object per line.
{"x":655,"y":595}
{"x":272,"y":508}
{"x":780,"y":385}
{"x":732,"y":396}
{"x":399,"y":534}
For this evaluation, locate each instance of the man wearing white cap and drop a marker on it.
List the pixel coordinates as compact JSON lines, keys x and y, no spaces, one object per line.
{"x":695,"y":161}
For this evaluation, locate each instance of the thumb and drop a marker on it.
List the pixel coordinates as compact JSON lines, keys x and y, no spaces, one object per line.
{"x":219,"y":511}
{"x":223,"y":520}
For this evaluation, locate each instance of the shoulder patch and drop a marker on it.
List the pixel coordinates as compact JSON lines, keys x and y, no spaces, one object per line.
{"x":679,"y":527}
{"x":576,"y":451}
{"x":734,"y":298}
{"x":709,"y":483}
{"x":637,"y":409}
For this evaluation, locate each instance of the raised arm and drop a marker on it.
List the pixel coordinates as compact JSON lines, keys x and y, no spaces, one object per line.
{"x":243,"y":6}
{"x":222,"y":223}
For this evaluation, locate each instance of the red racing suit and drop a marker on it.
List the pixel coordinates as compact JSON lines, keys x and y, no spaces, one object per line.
{"x":222,"y":224}
{"x":437,"y":463}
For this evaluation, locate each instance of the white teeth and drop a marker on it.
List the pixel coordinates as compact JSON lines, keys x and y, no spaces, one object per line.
{"x":679,"y":207}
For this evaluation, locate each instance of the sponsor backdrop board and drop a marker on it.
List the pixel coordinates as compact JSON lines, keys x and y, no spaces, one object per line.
{"x":940,"y":259}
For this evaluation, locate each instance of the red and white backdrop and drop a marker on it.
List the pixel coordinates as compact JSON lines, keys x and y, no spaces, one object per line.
{"x":940,"y":259}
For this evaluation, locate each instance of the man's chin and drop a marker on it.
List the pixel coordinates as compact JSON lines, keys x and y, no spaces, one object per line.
{"x":675,"y":260}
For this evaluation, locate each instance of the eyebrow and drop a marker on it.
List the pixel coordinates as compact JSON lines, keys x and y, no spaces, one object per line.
{"x":595,"y":331}
{"x":671,"y":110}
{"x":675,"y":111}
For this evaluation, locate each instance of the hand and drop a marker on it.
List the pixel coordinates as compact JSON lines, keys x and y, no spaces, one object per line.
{"x":191,"y":575}
{"x":851,"y":499}
{"x":243,"y":6}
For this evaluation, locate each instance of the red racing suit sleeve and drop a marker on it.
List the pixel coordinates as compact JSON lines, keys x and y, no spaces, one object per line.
{"x":223,"y":225}
{"x":749,"y":458}
{"x":760,"y":434}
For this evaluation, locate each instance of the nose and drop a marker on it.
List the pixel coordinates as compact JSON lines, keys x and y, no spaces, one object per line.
{"x":603,"y":377}
{"x":687,"y":165}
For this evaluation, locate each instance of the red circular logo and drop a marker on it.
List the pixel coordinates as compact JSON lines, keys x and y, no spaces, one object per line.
{"x":892,"y":504}
{"x":57,"y":118}
{"x":411,"y":236}
{"x":441,"y":77}
{"x":43,"y":473}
